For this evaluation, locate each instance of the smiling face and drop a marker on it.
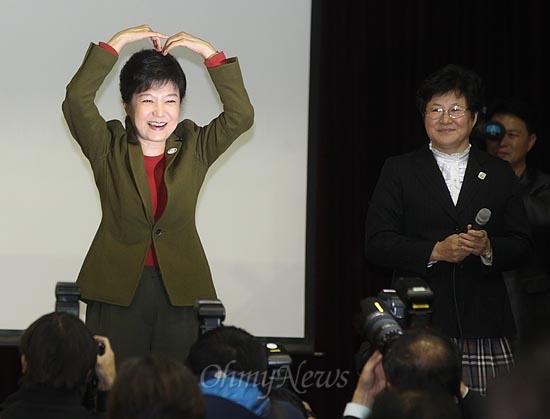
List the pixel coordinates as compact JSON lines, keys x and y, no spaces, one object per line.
{"x":448,"y":135}
{"x":155,"y":114}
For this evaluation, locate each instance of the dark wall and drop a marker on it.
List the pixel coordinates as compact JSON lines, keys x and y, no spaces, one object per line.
{"x":367,"y":60}
{"x":10,"y":365}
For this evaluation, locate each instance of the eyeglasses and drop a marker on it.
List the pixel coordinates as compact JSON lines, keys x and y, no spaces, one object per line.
{"x":454,"y":112}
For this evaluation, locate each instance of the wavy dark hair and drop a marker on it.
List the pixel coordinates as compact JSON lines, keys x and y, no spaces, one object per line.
{"x":149,"y":68}
{"x":452,"y":77}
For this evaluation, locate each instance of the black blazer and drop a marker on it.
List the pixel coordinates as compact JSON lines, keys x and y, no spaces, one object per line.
{"x":411,"y":209}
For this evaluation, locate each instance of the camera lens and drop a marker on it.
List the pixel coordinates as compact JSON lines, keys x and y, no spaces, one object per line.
{"x":382,"y":329}
{"x":380,"y":326}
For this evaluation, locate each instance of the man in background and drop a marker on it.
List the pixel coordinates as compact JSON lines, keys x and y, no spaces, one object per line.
{"x":528,"y":286}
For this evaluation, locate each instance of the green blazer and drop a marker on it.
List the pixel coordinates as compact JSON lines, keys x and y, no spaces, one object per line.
{"x":112,"y":267}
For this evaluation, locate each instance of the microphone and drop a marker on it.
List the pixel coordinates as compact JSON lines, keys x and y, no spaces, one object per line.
{"x":482,"y":218}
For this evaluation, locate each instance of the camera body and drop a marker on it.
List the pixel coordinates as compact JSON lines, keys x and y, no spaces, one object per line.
{"x":67,"y":296}
{"x":211,"y":314}
{"x":385,"y":317}
{"x":494,"y":130}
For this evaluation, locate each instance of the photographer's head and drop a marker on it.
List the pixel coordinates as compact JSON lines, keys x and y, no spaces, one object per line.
{"x":426,"y":359}
{"x":58,"y":352}
{"x":231,"y":365}
{"x":155,"y":387}
{"x":227,"y":347}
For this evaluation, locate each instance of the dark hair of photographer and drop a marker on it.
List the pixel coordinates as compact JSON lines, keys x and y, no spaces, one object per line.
{"x":155,"y":387}
{"x":227,"y":346}
{"x":64,"y":372}
{"x":232,"y":350}
{"x":424,"y":359}
{"x":58,"y":352}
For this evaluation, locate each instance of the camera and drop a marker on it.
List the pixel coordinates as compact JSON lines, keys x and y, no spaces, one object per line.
{"x":384,"y":318}
{"x":278,"y":364}
{"x":101,"y":349}
{"x":494,"y":131}
{"x":487,"y":131}
{"x":67,"y":296}
{"x":211,"y":314}
{"x":381,"y":328}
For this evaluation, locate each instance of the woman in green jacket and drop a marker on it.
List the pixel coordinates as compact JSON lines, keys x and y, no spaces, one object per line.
{"x":146,"y":266}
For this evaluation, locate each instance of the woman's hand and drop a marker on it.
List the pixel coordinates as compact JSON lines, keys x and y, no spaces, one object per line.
{"x":449,"y":250}
{"x":475,"y":241}
{"x":197,"y":45}
{"x":137,"y":33}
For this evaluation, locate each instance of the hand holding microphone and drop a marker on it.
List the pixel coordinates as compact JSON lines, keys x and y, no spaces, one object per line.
{"x":476,"y":240}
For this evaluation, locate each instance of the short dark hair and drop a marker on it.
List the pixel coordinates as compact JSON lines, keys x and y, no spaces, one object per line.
{"x":60,"y":353}
{"x":155,"y":387}
{"x":148,"y":68}
{"x":455,"y":78}
{"x":516,"y":107}
{"x":414,"y":404}
{"x":227,"y":346}
{"x":426,"y":359}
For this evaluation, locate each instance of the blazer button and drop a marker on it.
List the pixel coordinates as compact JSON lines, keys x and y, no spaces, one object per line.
{"x":158,"y":232}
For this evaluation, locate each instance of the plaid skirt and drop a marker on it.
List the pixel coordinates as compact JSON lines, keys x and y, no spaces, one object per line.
{"x":484,"y":359}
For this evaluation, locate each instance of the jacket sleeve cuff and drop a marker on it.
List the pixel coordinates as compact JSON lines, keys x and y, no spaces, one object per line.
{"x":215,"y":60}
{"x":108,"y":48}
{"x":356,"y":410}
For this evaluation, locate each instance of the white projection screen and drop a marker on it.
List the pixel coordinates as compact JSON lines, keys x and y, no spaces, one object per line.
{"x":252,"y":208}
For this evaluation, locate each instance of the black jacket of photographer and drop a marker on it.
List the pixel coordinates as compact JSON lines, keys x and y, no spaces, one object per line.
{"x":47,"y":404}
